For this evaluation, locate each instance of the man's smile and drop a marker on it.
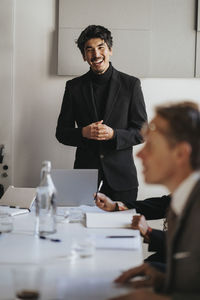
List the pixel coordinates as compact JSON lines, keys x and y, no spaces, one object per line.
{"x":97,"y":60}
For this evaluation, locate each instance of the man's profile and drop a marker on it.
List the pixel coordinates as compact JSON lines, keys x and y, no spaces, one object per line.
{"x":171,"y":157}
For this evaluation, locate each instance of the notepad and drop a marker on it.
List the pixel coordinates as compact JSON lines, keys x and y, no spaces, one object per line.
{"x":118,"y":219}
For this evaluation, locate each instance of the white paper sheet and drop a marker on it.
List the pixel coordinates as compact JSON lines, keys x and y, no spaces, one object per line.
{"x":128,"y":241}
{"x":87,"y":208}
{"x":13,"y":211}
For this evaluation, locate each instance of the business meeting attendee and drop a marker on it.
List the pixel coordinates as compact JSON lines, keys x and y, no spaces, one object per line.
{"x":171,"y":157}
{"x":102,"y":114}
{"x":152,"y":208}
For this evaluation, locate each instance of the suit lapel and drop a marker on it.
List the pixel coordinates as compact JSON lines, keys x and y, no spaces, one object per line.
{"x":178,"y":228}
{"x":184,"y":214}
{"x":112,"y":94}
{"x":89,"y":98}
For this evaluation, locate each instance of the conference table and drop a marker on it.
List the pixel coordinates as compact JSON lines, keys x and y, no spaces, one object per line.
{"x":65,"y":276}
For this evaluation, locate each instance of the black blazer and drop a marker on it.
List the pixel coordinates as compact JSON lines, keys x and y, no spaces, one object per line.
{"x":153,"y":208}
{"x":158,"y":244}
{"x":125,"y":112}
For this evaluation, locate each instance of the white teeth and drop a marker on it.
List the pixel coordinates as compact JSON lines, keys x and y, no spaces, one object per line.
{"x":98,"y":61}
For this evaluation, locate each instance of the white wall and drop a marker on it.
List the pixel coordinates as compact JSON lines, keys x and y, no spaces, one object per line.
{"x":38,"y":94}
{"x":157,"y":91}
{"x":6,"y":85}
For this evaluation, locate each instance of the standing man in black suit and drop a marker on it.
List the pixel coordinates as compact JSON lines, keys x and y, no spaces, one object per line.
{"x":109,"y":110}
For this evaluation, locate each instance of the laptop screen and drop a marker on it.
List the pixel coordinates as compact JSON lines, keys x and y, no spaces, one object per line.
{"x":75,"y":187}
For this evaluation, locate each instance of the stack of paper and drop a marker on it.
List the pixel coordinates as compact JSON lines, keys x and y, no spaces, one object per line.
{"x":117,"y":219}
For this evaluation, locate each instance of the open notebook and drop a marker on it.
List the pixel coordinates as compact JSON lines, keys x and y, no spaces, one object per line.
{"x":17,"y":200}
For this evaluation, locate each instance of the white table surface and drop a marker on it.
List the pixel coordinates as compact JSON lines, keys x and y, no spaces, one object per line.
{"x":65,"y":277}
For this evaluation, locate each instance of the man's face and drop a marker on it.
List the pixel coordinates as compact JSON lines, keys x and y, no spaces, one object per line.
{"x":158,"y":156}
{"x":97,"y":54}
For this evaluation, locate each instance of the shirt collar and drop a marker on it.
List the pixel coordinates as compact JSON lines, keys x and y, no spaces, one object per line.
{"x":181,"y":194}
{"x":102,"y":78}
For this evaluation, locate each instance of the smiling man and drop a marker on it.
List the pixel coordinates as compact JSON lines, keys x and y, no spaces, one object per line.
{"x":102,"y":114}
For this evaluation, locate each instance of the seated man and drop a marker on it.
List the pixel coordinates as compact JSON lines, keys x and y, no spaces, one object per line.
{"x":151,"y":208}
{"x":171,"y":156}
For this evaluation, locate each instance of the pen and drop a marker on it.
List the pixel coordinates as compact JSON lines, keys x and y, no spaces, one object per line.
{"x":120,"y":236}
{"x":50,"y":239}
{"x":98,"y":189}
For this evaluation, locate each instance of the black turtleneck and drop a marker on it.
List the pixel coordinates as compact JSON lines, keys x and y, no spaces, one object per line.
{"x":100,"y":84}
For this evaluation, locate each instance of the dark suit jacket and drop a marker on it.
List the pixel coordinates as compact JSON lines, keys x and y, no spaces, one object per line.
{"x":157,"y":243}
{"x":183,"y":254}
{"x":124,"y":112}
{"x":153,"y":208}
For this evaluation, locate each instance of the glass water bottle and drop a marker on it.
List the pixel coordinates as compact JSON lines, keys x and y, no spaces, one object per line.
{"x":45,"y":203}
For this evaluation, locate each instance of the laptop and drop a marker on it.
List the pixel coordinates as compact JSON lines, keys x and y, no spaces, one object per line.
{"x":75,"y":187}
{"x":17,"y":200}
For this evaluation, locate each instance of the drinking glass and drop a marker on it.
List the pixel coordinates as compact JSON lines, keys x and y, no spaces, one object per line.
{"x":6,"y":222}
{"x":27,"y":282}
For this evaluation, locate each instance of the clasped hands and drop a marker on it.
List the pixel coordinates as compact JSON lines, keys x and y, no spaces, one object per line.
{"x":98,"y":131}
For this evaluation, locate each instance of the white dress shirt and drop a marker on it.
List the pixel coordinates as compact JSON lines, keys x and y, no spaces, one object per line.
{"x":181,"y":194}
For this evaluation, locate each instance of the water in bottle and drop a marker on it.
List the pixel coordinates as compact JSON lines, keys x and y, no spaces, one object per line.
{"x":46,"y":203}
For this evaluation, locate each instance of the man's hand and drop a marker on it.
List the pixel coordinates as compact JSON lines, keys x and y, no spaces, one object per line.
{"x":139,"y":222}
{"x":142,"y":294}
{"x":152,"y":277}
{"x":98,"y":131}
{"x":104,"y":202}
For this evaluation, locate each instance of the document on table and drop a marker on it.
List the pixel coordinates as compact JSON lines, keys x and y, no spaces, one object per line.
{"x":87,"y":208}
{"x":13,"y":211}
{"x":118,"y":219}
{"x":129,"y":241}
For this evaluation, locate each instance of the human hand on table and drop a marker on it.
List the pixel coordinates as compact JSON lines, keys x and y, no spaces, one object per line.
{"x":152,"y":277}
{"x":139,"y":222}
{"x":104,"y":202}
